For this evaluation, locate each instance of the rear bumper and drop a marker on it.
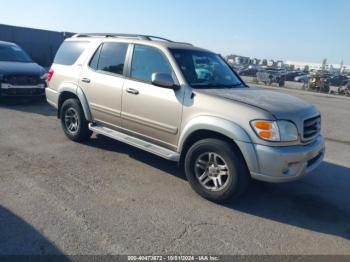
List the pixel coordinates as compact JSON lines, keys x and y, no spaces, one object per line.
{"x":51,"y":97}
{"x":284,"y":164}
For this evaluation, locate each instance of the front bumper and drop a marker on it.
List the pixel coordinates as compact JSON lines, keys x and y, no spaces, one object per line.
{"x":8,"y":90}
{"x":284,"y":164}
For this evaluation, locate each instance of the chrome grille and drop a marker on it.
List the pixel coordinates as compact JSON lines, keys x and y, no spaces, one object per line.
{"x":312,"y":127}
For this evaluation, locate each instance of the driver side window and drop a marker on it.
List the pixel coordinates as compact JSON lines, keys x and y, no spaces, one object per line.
{"x":146,"y":61}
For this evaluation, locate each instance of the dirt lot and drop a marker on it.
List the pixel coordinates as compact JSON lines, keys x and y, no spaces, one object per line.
{"x":104,"y":197}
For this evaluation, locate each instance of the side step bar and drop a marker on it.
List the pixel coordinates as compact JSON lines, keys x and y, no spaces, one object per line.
{"x":149,"y":147}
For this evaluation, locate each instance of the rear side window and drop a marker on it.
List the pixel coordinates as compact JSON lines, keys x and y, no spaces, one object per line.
{"x":146,"y":61}
{"x":69,"y":52}
{"x":94,"y":61}
{"x":110,"y":57}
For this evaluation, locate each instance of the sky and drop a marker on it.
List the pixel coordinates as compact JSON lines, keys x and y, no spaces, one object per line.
{"x":297,"y":30}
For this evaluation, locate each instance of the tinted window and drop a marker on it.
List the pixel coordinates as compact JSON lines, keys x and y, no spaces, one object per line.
{"x":13,"y":53}
{"x":146,"y":61}
{"x":69,"y":52}
{"x":94,"y":61}
{"x":112,"y":57}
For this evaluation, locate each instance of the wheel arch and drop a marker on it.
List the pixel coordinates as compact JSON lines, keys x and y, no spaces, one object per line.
{"x":212,"y":127}
{"x":73,"y":91}
{"x":213,"y":124}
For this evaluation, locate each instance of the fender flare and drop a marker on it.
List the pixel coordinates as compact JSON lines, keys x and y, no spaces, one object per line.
{"x":76,"y":90}
{"x":85,"y":104}
{"x":215,"y":124}
{"x":226,"y":128}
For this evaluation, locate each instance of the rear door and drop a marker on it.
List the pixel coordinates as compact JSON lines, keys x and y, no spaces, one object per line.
{"x":102,"y":81}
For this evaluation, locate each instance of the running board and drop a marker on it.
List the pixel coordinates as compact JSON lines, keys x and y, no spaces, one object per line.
{"x":133,"y":141}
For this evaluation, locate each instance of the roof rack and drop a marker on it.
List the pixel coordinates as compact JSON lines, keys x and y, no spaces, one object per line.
{"x":136,"y":36}
{"x":142,"y":37}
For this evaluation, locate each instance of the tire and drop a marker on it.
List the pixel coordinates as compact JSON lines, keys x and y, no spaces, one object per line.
{"x":232,"y":185}
{"x":73,"y":121}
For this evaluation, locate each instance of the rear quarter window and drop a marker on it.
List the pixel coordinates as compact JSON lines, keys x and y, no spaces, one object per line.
{"x":69,"y":52}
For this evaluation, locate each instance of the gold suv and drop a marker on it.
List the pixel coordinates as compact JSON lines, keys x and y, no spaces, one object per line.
{"x":185,"y":104}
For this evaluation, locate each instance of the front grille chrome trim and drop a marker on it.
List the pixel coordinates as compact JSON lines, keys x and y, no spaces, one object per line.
{"x":311,"y":128}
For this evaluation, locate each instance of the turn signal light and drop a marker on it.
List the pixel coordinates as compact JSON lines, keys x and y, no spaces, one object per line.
{"x":266,"y":134}
{"x":266,"y":130}
{"x":263,"y":125}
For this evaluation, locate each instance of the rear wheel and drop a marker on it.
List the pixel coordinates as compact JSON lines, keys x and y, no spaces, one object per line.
{"x":216,"y":170}
{"x":73,"y":121}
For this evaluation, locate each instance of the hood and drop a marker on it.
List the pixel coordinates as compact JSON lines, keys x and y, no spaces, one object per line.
{"x":20,"y":68}
{"x":281,"y":105}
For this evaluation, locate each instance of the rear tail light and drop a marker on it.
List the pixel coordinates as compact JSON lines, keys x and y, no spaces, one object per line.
{"x":50,"y":74}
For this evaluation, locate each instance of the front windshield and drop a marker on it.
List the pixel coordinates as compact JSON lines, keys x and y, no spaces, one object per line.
{"x":204,"y":69}
{"x":12,"y":53}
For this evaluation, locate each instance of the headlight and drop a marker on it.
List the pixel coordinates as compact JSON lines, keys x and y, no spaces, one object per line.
{"x":288,"y":131}
{"x":277,"y":131}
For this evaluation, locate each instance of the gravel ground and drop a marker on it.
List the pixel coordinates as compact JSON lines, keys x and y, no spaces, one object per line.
{"x":104,"y":197}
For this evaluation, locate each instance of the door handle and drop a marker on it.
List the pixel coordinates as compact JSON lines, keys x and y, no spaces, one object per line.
{"x":86,"y":80}
{"x":132,"y":91}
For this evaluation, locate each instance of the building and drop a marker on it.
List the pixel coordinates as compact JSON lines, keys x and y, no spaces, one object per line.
{"x":41,"y":45}
{"x":316,"y":66}
{"x":238,"y":60}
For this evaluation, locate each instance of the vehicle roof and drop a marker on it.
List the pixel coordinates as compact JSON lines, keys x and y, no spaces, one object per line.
{"x":154,"y":42}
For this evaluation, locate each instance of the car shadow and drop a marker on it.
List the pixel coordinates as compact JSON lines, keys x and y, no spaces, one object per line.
{"x":106,"y":143}
{"x":320,"y":202}
{"x":34,"y":105}
{"x":18,"y":238}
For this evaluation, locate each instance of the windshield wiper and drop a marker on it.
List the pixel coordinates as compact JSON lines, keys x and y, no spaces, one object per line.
{"x":216,"y":85}
{"x":233,"y":85}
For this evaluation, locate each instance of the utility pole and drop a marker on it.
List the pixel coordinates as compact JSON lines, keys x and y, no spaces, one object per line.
{"x":324,"y":64}
{"x":341,"y":66}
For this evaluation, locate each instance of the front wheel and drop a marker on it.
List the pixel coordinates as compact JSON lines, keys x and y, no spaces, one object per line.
{"x":216,"y":170}
{"x":73,"y":121}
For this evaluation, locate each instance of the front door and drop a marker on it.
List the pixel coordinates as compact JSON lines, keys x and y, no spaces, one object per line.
{"x":102,"y":81}
{"x":150,"y":111}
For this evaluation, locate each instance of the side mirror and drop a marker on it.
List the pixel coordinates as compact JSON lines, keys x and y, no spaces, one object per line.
{"x":163,"y":80}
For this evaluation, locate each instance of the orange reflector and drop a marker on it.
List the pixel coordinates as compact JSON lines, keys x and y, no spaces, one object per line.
{"x":265,"y":134}
{"x":263,"y":125}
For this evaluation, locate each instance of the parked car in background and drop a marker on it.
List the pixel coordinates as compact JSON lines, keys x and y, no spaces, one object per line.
{"x":338,"y":80}
{"x":19,"y":75}
{"x":248,"y":72}
{"x":270,"y":76}
{"x":302,"y":79}
{"x":291,"y":75}
{"x":345,"y":88}
{"x":319,"y":82}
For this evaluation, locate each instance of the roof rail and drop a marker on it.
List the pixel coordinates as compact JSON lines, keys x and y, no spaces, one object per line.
{"x":141,"y":37}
